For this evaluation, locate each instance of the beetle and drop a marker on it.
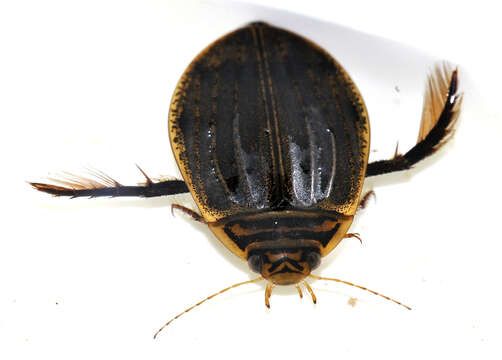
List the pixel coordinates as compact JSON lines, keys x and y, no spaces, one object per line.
{"x":272,"y":139}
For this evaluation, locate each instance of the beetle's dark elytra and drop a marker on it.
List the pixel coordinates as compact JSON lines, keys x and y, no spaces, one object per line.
{"x":250,"y":136}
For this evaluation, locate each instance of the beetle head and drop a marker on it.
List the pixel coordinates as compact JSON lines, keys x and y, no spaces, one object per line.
{"x":284,"y":266}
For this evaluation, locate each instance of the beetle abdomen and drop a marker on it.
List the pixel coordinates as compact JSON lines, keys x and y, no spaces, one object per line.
{"x":264,"y":119}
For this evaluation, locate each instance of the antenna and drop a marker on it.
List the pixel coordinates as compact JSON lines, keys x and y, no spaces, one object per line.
{"x":206,"y":299}
{"x":360,"y":287}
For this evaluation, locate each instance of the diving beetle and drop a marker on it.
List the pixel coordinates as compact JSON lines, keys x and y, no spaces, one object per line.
{"x":272,"y":139}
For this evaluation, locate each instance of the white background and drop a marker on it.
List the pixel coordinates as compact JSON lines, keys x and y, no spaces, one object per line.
{"x":89,"y":84}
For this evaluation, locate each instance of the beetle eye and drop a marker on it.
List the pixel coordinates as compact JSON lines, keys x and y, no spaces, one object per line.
{"x":313,"y":259}
{"x":255,"y":262}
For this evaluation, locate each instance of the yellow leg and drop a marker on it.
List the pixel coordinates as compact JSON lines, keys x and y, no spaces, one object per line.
{"x":353,"y":235}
